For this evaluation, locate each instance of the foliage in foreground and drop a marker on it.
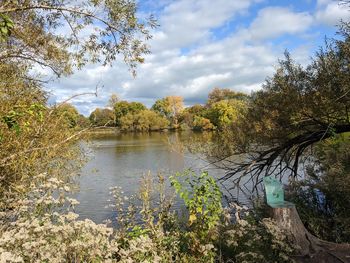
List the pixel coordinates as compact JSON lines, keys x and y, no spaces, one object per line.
{"x":42,"y":230}
{"x":34,"y":138}
{"x":322,"y":198}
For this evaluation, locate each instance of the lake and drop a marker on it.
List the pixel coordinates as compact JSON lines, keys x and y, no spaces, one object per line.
{"x":122,"y":160}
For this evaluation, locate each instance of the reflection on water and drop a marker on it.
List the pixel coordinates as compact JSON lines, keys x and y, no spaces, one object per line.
{"x":121,"y":160}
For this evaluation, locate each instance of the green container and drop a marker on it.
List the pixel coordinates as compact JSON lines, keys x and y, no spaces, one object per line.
{"x":274,"y":191}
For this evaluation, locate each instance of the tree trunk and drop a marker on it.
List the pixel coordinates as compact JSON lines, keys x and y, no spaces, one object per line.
{"x":308,"y":247}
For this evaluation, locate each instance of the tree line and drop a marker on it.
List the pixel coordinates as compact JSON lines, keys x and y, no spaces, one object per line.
{"x":223,"y":107}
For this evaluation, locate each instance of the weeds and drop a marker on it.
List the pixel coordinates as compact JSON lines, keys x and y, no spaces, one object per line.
{"x":148,"y":229}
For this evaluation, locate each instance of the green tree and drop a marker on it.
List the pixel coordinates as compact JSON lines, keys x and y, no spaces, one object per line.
{"x":102,"y":117}
{"x":69,"y":113}
{"x":122,"y":108}
{"x":226,"y":112}
{"x":162,"y":107}
{"x":144,"y":120}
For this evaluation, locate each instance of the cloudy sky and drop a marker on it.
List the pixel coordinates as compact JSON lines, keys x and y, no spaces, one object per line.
{"x":202,"y":44}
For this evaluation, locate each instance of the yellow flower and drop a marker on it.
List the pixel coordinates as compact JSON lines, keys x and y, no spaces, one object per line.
{"x":192,"y":218}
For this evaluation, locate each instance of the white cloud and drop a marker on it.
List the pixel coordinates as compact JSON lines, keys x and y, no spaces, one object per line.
{"x":274,"y":21}
{"x":186,"y":22}
{"x":330,"y":12}
{"x":240,"y":60}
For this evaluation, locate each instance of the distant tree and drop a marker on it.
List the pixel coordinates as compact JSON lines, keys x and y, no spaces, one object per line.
{"x":114,"y":98}
{"x":144,"y":120}
{"x":122,"y":108}
{"x":136,"y":107}
{"x":176,"y":106}
{"x":225,"y":112}
{"x":218,"y":94}
{"x":200,"y":123}
{"x":102,"y":117}
{"x":69,"y":113}
{"x":188,"y":115}
{"x":83,"y":122}
{"x":126,"y":122}
{"x":162,"y":107}
{"x":170,"y":107}
{"x":197,"y":109}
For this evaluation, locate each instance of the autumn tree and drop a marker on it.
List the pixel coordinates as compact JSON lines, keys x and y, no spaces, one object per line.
{"x":201,"y":123}
{"x":195,"y":117}
{"x":170,"y":107}
{"x":69,"y":113}
{"x":122,"y":108}
{"x":226,"y":112}
{"x":218,"y":94}
{"x":102,"y":117}
{"x":176,"y":106}
{"x":197,"y":109}
{"x":83,"y":122}
{"x":144,"y":120}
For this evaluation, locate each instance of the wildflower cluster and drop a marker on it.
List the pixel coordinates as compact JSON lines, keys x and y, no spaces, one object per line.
{"x":44,"y":228}
{"x":253,"y":240}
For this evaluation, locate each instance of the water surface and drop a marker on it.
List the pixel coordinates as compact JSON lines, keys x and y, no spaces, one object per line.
{"x":122,"y":160}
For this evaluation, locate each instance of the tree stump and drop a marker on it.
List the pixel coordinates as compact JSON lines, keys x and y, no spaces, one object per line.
{"x":308,"y":247}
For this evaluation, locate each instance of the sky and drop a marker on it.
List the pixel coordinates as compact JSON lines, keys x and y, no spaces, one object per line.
{"x":203,"y":44}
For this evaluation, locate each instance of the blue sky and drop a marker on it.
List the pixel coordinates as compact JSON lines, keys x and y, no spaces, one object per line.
{"x":202,"y":44}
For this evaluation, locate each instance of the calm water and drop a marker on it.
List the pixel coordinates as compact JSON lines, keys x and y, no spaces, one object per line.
{"x":121,"y":160}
